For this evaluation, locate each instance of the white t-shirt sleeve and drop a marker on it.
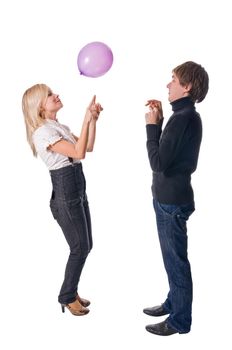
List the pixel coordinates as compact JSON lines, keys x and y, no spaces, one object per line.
{"x":45,"y":136}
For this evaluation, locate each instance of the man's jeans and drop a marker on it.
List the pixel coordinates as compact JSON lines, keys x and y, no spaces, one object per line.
{"x":171,"y":223}
{"x":69,"y":206}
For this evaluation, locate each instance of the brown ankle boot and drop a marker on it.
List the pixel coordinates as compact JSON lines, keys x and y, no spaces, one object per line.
{"x":82,"y":301}
{"x":75,"y":308}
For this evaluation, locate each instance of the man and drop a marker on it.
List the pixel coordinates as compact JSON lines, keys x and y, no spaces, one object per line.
{"x":173,"y":156}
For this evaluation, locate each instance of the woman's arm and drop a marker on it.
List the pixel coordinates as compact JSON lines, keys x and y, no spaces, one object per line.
{"x":66,"y":148}
{"x":77,"y":150}
{"x":92,"y":135}
{"x":95,"y":110}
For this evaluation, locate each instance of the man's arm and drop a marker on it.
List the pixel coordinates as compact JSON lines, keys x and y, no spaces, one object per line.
{"x":162,"y":153}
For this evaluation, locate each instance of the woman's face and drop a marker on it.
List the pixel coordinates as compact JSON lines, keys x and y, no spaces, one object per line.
{"x":52,"y":105}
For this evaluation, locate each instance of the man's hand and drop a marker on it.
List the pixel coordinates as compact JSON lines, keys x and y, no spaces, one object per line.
{"x":155,"y":114}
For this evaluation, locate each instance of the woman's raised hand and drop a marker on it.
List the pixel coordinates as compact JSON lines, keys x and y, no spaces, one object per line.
{"x":93,"y":110}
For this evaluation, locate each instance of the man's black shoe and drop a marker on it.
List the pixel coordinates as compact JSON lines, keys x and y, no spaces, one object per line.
{"x":161,"y":328}
{"x":155,"y":311}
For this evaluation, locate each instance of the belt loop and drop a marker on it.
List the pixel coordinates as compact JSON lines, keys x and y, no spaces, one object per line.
{"x":71,"y":160}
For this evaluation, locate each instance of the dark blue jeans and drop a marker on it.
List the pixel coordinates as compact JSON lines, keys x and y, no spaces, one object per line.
{"x":171,"y":223}
{"x":69,"y":206}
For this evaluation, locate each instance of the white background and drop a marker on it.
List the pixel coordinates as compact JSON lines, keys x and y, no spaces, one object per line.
{"x":124,"y":273}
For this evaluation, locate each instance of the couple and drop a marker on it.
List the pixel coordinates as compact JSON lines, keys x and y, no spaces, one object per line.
{"x":173,"y":155}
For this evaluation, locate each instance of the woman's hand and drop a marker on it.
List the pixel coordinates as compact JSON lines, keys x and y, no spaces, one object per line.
{"x":88,"y":113}
{"x":94,"y":109}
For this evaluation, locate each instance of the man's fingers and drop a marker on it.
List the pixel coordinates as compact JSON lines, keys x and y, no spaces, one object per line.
{"x":154,"y":103}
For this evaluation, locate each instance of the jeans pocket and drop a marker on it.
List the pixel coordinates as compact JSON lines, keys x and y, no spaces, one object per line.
{"x":54,"y":209}
{"x":74,"y":207}
{"x":53,"y":206}
{"x":184,"y":214}
{"x":186,"y":210}
{"x":168,"y":209}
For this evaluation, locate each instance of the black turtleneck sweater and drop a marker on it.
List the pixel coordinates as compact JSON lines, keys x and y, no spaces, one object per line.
{"x":173,"y":153}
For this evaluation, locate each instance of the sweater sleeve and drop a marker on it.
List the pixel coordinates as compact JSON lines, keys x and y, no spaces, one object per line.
{"x":162,"y":151}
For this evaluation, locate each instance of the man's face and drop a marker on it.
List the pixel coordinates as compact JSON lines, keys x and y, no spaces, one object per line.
{"x":176,"y":90}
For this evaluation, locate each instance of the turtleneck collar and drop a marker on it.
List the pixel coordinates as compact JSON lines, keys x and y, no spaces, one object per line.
{"x":182,"y":103}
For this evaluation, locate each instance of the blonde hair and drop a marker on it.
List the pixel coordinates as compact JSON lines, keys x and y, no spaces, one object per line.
{"x":32,"y":101}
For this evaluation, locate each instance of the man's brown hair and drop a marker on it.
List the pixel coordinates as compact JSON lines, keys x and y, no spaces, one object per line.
{"x":195,"y":75}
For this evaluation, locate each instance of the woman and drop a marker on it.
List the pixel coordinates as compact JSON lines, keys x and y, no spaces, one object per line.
{"x":62,"y":151}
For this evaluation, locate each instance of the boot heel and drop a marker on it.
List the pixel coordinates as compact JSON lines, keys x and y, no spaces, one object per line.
{"x":62,"y":307}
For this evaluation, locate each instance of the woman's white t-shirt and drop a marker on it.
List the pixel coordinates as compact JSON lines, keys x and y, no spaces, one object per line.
{"x":48,"y":134}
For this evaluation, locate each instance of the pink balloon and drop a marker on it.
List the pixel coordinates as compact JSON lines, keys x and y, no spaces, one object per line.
{"x":94,"y":59}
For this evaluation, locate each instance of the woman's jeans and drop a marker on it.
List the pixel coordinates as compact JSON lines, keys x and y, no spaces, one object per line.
{"x":69,"y":206}
{"x":171,"y":223}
